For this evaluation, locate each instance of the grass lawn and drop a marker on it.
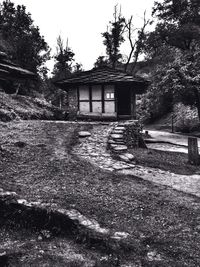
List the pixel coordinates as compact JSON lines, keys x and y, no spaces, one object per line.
{"x":165,"y":160}
{"x":35,"y":161}
{"x":26,"y":248}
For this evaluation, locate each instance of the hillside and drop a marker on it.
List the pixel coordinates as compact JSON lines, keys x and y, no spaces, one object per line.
{"x":185,"y":120}
{"x":16,"y":107}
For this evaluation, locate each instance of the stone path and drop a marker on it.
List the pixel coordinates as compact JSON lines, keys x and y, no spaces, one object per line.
{"x":94,"y":149}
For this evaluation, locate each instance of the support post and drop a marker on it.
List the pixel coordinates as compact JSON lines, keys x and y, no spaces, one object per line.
{"x":90,"y":98}
{"x":193,"y":152}
{"x":103,"y":98}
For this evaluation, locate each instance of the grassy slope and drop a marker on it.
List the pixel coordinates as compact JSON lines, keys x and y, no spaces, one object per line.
{"x":168,"y":161}
{"x":23,"y":107}
{"x":42,"y":168}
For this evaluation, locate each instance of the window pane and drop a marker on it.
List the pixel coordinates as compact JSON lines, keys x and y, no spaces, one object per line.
{"x":108,"y":95}
{"x":112,"y":95}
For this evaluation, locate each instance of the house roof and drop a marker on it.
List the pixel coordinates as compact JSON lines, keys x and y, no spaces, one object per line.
{"x":9,"y":70}
{"x":103,"y":75}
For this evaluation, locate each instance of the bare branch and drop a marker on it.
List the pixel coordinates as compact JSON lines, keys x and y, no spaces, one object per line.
{"x":135,"y":44}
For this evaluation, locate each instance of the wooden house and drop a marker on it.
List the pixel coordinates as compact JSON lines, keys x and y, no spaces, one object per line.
{"x":11,"y":73}
{"x":102,"y":93}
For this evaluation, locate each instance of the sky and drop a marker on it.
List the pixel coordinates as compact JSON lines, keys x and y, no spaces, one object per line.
{"x":82,"y":22}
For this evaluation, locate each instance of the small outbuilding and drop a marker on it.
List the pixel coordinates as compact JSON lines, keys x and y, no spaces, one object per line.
{"x":12,"y":73}
{"x":102,"y":93}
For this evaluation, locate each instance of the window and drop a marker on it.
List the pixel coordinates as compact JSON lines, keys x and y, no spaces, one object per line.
{"x":110,"y":96}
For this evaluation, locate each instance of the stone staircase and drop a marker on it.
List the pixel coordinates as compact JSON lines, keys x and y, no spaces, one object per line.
{"x":124,"y":135}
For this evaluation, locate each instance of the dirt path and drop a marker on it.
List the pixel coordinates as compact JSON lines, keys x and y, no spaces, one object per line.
{"x":95,"y":150}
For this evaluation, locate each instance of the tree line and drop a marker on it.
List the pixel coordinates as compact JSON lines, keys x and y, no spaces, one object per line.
{"x":171,"y":52}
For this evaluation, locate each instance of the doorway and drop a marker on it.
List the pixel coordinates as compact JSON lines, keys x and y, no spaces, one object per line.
{"x":123,"y":102}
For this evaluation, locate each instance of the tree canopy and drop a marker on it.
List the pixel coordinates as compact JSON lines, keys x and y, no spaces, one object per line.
{"x":27,"y":47}
{"x":113,"y":38}
{"x":174,"y":46}
{"x":64,"y":58}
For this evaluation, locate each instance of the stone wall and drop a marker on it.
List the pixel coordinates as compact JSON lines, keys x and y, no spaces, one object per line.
{"x":72,"y":103}
{"x":126,"y":135}
{"x":132,"y":133}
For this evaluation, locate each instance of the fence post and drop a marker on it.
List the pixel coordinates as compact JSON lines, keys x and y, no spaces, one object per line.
{"x":193,"y":152}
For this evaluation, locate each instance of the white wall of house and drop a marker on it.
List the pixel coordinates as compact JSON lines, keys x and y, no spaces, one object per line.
{"x":84,"y":92}
{"x":96,"y":100}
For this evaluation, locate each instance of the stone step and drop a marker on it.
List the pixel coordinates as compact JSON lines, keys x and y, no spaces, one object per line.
{"x":120,"y":148}
{"x":120,"y":128}
{"x":129,"y":156}
{"x":113,"y":145}
{"x":117,"y":132}
{"x":83,"y":134}
{"x":124,"y":158}
{"x":111,"y":141}
{"x":116,"y":136}
{"x":119,"y":143}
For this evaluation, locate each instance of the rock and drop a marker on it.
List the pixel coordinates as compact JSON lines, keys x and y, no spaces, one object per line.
{"x":111,"y":141}
{"x":113,"y":145}
{"x":120,"y":235}
{"x":94,"y":154}
{"x":117,"y":136}
{"x":117,"y":132}
{"x":153,"y":256}
{"x":129,"y":156}
{"x":119,"y":128}
{"x":83,"y":134}
{"x":120,"y":148}
{"x":124,"y":158}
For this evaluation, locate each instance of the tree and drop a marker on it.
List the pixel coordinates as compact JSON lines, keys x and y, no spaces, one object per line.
{"x":64,"y":59}
{"x":101,"y":61}
{"x":77,"y":68}
{"x":113,"y":38}
{"x":28,"y":47}
{"x":137,"y":43}
{"x":175,"y":46}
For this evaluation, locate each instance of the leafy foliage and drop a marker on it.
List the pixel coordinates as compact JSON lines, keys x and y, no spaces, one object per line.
{"x":113,"y":38}
{"x":29,"y":48}
{"x":101,"y":61}
{"x":174,"y":47}
{"x":64,"y":59}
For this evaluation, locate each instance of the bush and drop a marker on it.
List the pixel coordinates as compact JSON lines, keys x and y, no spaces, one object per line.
{"x":7,"y":116}
{"x":186,"y":118}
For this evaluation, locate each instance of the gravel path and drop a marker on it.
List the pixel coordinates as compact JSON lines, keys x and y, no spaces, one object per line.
{"x":94,"y":149}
